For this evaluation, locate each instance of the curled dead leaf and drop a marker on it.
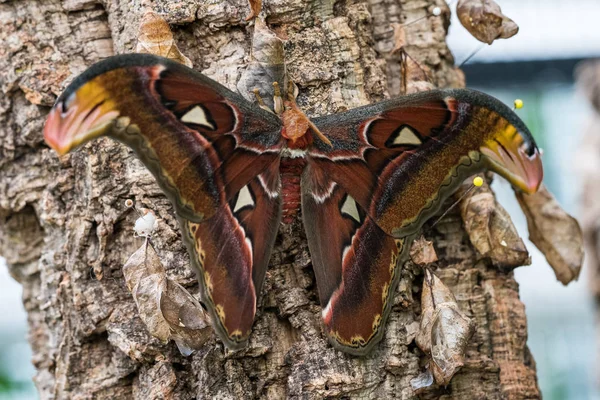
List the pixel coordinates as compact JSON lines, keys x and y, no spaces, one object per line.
{"x":399,"y":37}
{"x":190,"y":325}
{"x":267,"y":65}
{"x":415,"y":77}
{"x":145,"y":277}
{"x":588,"y":165}
{"x":164,"y":306}
{"x":255,"y":7}
{"x":490,"y":228}
{"x":422,"y":251}
{"x":485,"y":21}
{"x":554,"y":232}
{"x":445,"y":331}
{"x":155,"y":37}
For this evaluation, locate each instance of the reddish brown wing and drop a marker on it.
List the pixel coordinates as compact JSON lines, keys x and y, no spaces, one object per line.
{"x":354,"y":263}
{"x":214,"y":154}
{"x":399,"y":158}
{"x":232,"y":249}
{"x":390,"y":168}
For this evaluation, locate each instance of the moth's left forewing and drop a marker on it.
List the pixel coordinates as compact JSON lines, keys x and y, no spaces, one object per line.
{"x":182,"y":125}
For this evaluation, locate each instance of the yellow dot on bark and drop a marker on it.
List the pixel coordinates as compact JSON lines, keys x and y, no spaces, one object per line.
{"x":478,"y":181}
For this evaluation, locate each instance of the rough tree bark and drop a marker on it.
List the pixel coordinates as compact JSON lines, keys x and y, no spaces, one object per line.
{"x":588,"y":80}
{"x":60,"y":219}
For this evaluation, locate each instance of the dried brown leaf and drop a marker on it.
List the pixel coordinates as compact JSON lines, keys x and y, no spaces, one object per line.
{"x":422,"y":251}
{"x":485,"y":21}
{"x":190,"y":325}
{"x":155,"y":37}
{"x":554,"y":232}
{"x":399,"y":37}
{"x":165,"y":307}
{"x":450,"y":334}
{"x":255,"y":7}
{"x":267,"y":65}
{"x":490,"y":228}
{"x":146,"y":280}
{"x":445,"y":331}
{"x":434,"y":293}
{"x":415,"y":77}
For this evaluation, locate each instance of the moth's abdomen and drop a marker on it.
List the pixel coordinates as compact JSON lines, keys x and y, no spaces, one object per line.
{"x":291,"y":171}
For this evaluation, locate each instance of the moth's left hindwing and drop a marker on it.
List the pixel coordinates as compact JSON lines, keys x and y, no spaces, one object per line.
{"x":214,"y":154}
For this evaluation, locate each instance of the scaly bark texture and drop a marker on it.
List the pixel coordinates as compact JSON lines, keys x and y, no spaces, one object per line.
{"x":62,"y":219}
{"x":588,"y":80}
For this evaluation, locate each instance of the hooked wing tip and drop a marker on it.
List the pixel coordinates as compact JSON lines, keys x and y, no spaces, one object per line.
{"x":82,"y":116}
{"x":53,"y":135}
{"x":516,"y":159}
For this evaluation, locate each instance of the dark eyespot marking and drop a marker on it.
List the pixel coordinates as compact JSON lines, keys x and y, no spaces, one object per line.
{"x":529,"y":149}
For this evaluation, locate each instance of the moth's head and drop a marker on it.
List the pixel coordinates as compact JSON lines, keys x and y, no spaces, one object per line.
{"x":83,"y":112}
{"x":512,"y":153}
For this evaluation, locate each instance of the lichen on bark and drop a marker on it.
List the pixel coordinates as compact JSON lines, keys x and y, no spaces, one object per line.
{"x":61,"y":219}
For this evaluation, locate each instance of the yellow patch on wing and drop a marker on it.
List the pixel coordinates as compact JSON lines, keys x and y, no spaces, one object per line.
{"x":220,"y":313}
{"x":237,"y":334}
{"x":208,"y":282}
{"x":86,"y":114}
{"x":376,"y":322}
{"x":384,"y":292}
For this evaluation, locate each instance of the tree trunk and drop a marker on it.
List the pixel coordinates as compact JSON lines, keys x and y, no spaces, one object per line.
{"x":62,"y":219}
{"x":588,"y":80}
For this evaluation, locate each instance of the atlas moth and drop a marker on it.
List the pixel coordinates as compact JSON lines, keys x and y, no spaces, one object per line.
{"x":364,"y":181}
